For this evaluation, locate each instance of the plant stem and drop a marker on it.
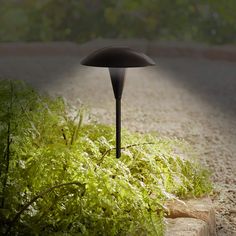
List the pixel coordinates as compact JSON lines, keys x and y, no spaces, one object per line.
{"x":76,"y":129}
{"x":64,"y":136}
{"x":35,"y":198}
{"x":7,"y":156}
{"x":128,"y":146}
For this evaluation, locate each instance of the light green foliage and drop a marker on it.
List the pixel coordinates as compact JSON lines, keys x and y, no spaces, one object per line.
{"x":211,"y":21}
{"x":59,"y":177}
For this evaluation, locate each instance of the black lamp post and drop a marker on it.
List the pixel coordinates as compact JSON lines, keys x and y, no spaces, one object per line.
{"x":117,"y":59}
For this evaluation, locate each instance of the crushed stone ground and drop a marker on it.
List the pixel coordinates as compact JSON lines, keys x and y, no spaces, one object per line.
{"x":192,"y":99}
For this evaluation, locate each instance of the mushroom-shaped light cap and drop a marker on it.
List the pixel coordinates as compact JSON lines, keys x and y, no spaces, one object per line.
{"x":117,"y":57}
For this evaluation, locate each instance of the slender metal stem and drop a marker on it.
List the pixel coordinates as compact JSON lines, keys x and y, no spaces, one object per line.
{"x":118,"y":127}
{"x":117,"y":80}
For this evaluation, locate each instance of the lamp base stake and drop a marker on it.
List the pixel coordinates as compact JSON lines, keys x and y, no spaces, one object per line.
{"x":118,"y":128}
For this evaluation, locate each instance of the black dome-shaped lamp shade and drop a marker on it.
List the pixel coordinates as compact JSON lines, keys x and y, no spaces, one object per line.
{"x":117,"y":59}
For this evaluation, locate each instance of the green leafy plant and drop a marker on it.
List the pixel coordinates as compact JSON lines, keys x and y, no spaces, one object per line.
{"x":60,"y":177}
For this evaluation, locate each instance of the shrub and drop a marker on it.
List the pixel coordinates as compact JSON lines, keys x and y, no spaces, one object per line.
{"x":60,"y":177}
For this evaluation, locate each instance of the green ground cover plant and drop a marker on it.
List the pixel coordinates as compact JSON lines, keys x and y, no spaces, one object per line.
{"x":59,"y":176}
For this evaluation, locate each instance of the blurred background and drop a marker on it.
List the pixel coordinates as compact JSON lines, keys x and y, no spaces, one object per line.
{"x":208,"y":21}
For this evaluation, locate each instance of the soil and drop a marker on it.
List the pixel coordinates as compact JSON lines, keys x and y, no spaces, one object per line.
{"x":187,"y":98}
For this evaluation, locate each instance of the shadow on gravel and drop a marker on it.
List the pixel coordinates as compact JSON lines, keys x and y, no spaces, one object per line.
{"x":41,"y":72}
{"x":213,"y":81}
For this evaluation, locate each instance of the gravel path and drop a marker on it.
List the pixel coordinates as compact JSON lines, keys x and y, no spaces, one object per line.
{"x":193,"y":99}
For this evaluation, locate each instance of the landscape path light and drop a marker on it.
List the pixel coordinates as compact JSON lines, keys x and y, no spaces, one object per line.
{"x":117,"y":59}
